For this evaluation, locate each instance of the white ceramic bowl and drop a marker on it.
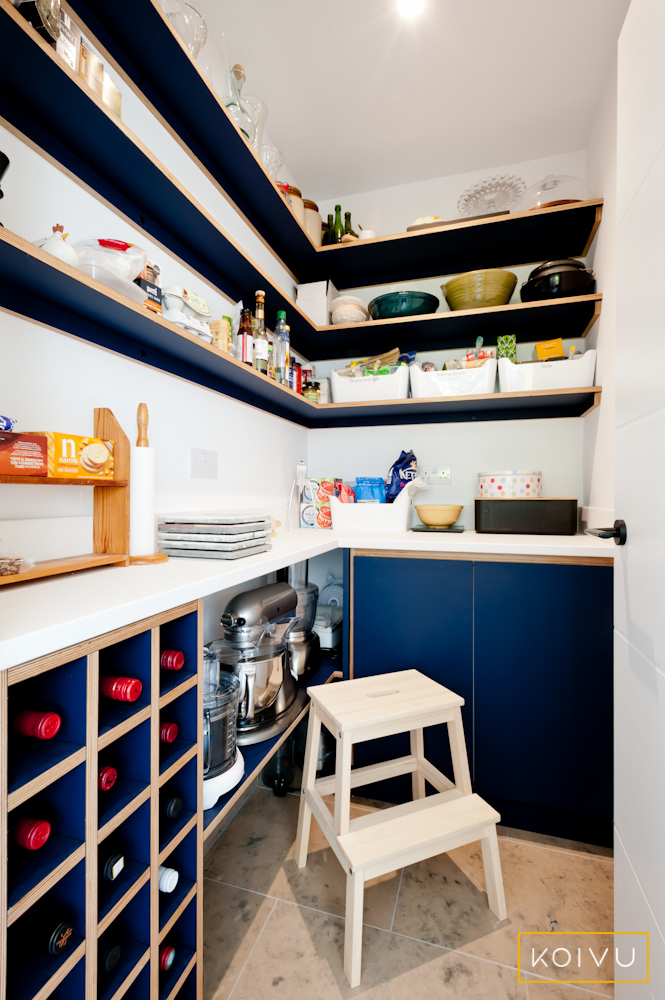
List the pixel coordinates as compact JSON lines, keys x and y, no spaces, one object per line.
{"x":348,"y":309}
{"x":508,"y":485}
{"x":367,"y":234}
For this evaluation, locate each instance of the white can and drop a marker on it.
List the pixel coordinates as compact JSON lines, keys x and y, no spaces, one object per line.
{"x":509,"y":485}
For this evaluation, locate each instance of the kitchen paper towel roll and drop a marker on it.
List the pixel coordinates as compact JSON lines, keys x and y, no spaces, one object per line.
{"x":142,"y":502}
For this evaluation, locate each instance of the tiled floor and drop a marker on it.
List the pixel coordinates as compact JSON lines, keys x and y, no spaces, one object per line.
{"x":275,"y":931}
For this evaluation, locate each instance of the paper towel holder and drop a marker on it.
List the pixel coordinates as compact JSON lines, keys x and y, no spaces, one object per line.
{"x":142,"y":442}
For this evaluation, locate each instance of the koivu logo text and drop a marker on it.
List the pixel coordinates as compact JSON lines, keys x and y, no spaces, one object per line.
{"x":583,"y":957}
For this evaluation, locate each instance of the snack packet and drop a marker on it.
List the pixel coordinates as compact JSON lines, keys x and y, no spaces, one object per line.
{"x":403,"y":471}
{"x":370,"y":489}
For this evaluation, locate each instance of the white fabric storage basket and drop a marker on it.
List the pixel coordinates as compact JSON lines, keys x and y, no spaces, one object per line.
{"x":368,"y":387}
{"x":571,"y":374}
{"x":458,"y":382}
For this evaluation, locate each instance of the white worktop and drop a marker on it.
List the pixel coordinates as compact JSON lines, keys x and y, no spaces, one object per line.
{"x":45,"y":615}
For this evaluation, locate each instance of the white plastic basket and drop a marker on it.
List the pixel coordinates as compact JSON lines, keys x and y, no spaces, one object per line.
{"x":571,"y":374}
{"x":458,"y":382}
{"x":368,"y":387}
{"x":375,"y":516}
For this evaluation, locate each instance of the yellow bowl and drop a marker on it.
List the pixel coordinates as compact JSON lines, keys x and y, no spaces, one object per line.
{"x":480,"y":289}
{"x":438,"y":515}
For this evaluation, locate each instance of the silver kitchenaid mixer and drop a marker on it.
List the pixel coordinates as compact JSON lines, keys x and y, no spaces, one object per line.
{"x":254,"y":649}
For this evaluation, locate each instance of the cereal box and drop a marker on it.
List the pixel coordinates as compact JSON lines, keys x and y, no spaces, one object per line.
{"x":22,"y":454}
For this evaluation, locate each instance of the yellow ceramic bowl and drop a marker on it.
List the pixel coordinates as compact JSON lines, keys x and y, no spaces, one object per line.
{"x":438,"y":515}
{"x":480,"y":289}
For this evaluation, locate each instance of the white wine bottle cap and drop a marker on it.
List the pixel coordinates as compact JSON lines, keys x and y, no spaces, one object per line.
{"x":168,"y":879}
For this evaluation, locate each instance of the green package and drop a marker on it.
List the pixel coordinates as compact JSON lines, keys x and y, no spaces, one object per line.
{"x":506,"y":347}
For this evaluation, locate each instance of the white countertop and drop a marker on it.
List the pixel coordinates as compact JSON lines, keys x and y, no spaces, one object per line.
{"x":42,"y":616}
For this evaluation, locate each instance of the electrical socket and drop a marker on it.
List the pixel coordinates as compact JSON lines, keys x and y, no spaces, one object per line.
{"x":437,"y":475}
{"x":202,"y":464}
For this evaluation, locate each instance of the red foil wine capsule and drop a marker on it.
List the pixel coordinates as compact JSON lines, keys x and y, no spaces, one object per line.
{"x":120,"y":688}
{"x":168,"y":732}
{"x":172,"y":659}
{"x":166,"y":957}
{"x":107,"y":778}
{"x":32,"y":833}
{"x":42,"y":725}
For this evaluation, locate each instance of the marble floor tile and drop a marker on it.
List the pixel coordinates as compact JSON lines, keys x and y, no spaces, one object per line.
{"x":553,"y":991}
{"x":232,"y":922}
{"x":557,"y":843}
{"x":443,"y":900}
{"x":299,"y":956}
{"x":257,"y":852}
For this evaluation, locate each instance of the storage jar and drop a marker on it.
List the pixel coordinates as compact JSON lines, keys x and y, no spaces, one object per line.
{"x":313,"y":222}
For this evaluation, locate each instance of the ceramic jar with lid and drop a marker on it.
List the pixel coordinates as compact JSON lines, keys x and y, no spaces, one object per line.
{"x":294,"y":198}
{"x":313,"y":222}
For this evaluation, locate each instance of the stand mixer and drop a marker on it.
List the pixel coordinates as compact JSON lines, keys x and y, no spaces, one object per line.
{"x":304,"y":644}
{"x":257,"y":624}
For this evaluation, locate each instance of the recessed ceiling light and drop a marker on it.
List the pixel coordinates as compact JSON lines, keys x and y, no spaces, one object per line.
{"x":410,"y":8}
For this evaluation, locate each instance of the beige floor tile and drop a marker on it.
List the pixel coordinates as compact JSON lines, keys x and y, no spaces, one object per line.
{"x":552,"y":991}
{"x":557,"y":843}
{"x":257,"y":851}
{"x":232,"y":922}
{"x":299,"y":956}
{"x":443,"y":900}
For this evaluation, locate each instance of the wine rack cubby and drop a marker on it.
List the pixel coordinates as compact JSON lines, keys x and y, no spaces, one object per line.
{"x":87,"y":795}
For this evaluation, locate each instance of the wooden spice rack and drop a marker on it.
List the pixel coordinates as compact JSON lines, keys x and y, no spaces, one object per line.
{"x":110,"y":512}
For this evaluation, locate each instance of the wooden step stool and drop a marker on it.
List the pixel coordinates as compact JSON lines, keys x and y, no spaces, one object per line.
{"x":383,"y":841}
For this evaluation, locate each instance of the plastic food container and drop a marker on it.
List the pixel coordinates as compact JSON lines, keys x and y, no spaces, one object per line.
{"x":458,"y":382}
{"x":571,"y":374}
{"x":113,"y":280}
{"x":509,"y":485}
{"x":186,"y":301}
{"x":368,"y":387}
{"x":125,"y":259}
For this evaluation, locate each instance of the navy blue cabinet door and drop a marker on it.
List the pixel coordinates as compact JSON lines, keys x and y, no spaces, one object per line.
{"x":543,"y":695}
{"x":413,"y":613}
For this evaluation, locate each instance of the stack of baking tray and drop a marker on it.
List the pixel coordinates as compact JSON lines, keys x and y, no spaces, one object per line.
{"x":208,"y":535}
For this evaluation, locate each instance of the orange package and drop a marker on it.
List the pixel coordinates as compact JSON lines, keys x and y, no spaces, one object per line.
{"x":71,"y":456}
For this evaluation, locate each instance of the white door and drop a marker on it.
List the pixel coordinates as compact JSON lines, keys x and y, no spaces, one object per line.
{"x":640,"y":489}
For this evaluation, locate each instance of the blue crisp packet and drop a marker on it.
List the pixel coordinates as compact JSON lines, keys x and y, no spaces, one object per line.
{"x":370,"y":489}
{"x":6,"y":423}
{"x":402,"y":472}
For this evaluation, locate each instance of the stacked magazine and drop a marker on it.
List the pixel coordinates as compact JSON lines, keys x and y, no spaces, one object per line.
{"x":208,"y":535}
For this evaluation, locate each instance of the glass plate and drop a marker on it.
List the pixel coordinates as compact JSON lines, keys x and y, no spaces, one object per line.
{"x":494,"y":194}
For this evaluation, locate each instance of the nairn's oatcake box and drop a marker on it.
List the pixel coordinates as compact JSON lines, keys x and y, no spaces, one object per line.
{"x":71,"y":456}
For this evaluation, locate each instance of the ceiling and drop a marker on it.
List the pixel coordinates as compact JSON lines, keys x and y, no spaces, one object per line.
{"x":360,"y":98}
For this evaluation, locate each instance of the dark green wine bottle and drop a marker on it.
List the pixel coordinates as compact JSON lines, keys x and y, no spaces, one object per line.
{"x":327,"y":236}
{"x":347,"y":225}
{"x":338,"y":227}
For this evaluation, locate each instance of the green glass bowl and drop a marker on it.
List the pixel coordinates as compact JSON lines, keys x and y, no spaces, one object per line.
{"x":394,"y":305}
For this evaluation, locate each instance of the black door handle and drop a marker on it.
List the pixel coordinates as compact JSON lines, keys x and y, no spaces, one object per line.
{"x":618,"y":532}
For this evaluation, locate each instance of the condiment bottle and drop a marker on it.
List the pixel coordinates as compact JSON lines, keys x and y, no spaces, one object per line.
{"x":111,"y":957}
{"x":281,"y":348}
{"x":260,"y":337}
{"x":107,"y":778}
{"x":245,"y":338}
{"x":112,"y":866}
{"x":120,"y":688}
{"x":347,"y":225}
{"x":168,"y":732}
{"x":41,"y":725}
{"x":166,"y":957}
{"x":31,"y":833}
{"x":170,"y":805}
{"x":168,"y":878}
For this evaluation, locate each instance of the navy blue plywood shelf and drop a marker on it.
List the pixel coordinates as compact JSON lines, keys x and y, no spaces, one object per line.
{"x":183,"y":784}
{"x":132,"y":953}
{"x":169,"y":902}
{"x":132,"y":841}
{"x":73,"y":987}
{"x":28,"y":758}
{"x":117,"y":798}
{"x":112,"y":892}
{"x":183,"y":859}
{"x":177,"y":89}
{"x":179,"y":634}
{"x":168,"y":979}
{"x":130,"y":756}
{"x":28,"y":868}
{"x":171,"y":753}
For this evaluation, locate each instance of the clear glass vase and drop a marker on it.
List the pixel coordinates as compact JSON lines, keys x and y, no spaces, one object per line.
{"x":258,"y":112}
{"x":235,"y":106}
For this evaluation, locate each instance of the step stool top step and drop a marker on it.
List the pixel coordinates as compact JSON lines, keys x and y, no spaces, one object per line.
{"x":427,"y":829}
{"x":366,"y":701}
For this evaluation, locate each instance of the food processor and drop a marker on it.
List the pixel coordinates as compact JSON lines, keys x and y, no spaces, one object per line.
{"x":223,"y":764}
{"x":254,"y":650}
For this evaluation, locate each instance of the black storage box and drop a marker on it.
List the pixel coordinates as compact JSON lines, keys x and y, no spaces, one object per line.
{"x":535,"y":516}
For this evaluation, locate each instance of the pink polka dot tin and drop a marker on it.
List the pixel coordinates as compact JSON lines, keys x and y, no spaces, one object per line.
{"x":508,"y":485}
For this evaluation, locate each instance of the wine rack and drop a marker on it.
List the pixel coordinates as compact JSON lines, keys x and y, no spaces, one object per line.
{"x":94,"y":823}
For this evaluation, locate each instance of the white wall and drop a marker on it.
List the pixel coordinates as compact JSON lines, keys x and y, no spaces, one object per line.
{"x":599,"y":425}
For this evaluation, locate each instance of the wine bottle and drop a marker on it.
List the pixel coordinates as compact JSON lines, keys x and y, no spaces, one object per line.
{"x":166,"y":957}
{"x":168,"y":878}
{"x":347,"y":225}
{"x":111,"y":957}
{"x":338,"y":226}
{"x":168,"y":732}
{"x":326,"y":239}
{"x":172,"y":659}
{"x":31,"y":833}
{"x":120,"y":688}
{"x":170,"y":805}
{"x":111,"y":867}
{"x":245,"y":338}
{"x":41,"y":725}
{"x":58,"y":937}
{"x":107,"y":778}
{"x":261,"y":337}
